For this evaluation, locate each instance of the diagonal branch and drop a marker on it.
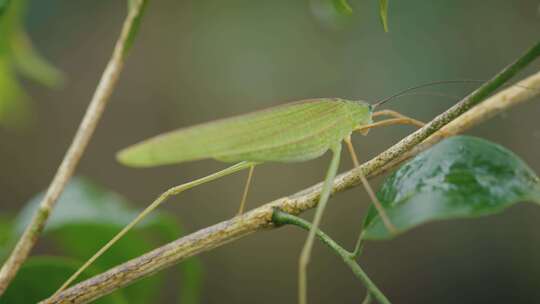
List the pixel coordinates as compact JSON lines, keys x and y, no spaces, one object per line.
{"x":76,"y":149}
{"x":261,"y":218}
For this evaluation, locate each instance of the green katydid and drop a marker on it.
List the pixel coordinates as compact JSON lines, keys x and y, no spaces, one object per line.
{"x":293,"y":132}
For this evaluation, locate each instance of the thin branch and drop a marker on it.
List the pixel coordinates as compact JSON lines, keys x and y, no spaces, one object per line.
{"x":74,"y":153}
{"x":280,"y":218}
{"x":261,"y":218}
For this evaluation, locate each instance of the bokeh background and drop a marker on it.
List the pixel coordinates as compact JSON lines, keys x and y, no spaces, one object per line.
{"x":195,"y":61}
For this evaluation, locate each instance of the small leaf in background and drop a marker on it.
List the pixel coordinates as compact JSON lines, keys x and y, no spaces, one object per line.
{"x":192,"y":279}
{"x":87,"y":216}
{"x":41,"y":276}
{"x":342,"y":6}
{"x":3,"y":6}
{"x":5,"y":233}
{"x":461,"y":177}
{"x":383,"y":12}
{"x":331,"y":14}
{"x":83,"y":202}
{"x":31,"y":64}
{"x":14,"y":107}
{"x":17,"y":55}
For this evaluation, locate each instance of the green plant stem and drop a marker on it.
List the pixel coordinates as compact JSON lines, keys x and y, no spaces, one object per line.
{"x":280,"y":218}
{"x":358,"y":246}
{"x":367,"y":299}
{"x":510,"y":71}
{"x":75,"y":151}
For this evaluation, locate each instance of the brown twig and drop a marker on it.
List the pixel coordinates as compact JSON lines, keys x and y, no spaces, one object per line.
{"x":261,"y":218}
{"x":78,"y":145}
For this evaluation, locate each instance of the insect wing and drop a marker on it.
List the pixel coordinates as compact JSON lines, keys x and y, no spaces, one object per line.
{"x":253,"y":131}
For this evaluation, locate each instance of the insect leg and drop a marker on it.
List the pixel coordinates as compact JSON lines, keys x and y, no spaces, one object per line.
{"x":246,"y":189}
{"x":369,"y":190}
{"x":389,"y":122}
{"x":172,"y":191}
{"x":399,"y":119}
{"x":396,"y":114}
{"x":308,"y":246}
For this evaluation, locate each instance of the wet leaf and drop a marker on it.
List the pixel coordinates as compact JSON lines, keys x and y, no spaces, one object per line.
{"x":461,"y":177}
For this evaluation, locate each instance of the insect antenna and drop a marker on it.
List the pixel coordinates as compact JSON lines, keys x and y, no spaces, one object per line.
{"x":407,"y":90}
{"x":434,"y":94}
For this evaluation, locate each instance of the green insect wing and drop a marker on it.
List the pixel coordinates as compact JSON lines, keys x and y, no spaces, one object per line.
{"x":296,"y":131}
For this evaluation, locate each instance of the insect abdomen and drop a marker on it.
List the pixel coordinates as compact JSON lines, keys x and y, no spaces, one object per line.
{"x":306,"y":146}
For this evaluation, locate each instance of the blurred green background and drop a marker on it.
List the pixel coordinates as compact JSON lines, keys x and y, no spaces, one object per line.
{"x":195,"y":61}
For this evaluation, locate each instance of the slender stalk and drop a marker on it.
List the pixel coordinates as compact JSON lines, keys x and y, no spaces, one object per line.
{"x":280,"y":218}
{"x":367,"y":299}
{"x":261,"y":218}
{"x":305,"y":254}
{"x":76,"y":149}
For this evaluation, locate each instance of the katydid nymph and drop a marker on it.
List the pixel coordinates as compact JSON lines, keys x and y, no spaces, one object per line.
{"x":293,"y":132}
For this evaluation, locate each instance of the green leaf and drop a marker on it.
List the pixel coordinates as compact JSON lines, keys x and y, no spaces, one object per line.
{"x":192,"y":279}
{"x":383,"y":12}
{"x":84,"y":202}
{"x":18,"y":56}
{"x":5,"y":235}
{"x":342,"y":6}
{"x":18,"y":49}
{"x":39,"y":278}
{"x":461,"y":177}
{"x":31,"y":64}
{"x":87,"y":216}
{"x":14,"y":107}
{"x":3,"y":6}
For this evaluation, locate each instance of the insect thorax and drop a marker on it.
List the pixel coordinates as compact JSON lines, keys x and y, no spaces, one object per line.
{"x":360,"y":111}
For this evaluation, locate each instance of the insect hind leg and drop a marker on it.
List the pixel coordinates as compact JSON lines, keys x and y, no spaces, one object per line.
{"x":389,"y":122}
{"x":380,"y":209}
{"x":155,"y":204}
{"x":398,"y":115}
{"x":398,"y":119}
